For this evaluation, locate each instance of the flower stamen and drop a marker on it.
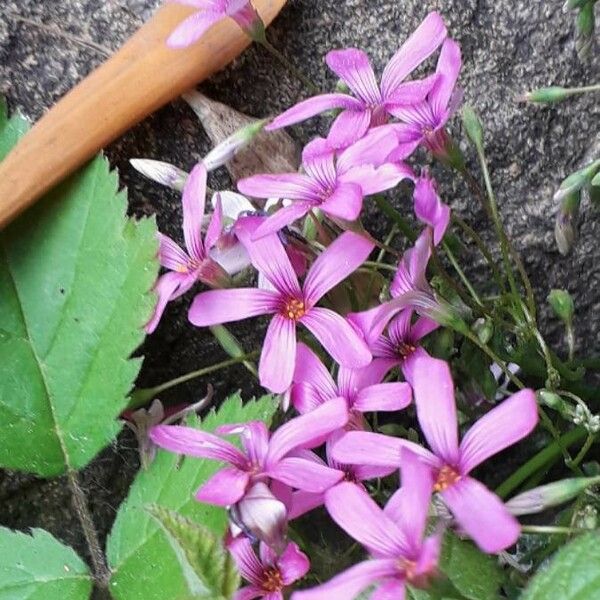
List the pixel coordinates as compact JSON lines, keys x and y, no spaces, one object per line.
{"x":294,"y":309}
{"x":447,"y":476}
{"x":272,"y":580}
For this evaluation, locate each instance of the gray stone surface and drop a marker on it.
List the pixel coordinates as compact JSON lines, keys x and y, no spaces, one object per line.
{"x":508,"y":45}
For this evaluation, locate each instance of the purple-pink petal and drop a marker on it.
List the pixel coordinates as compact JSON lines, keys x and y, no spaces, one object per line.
{"x":292,"y":564}
{"x":411,"y":92}
{"x":276,"y":367}
{"x":433,"y":390}
{"x":341,"y":258}
{"x":169,"y":286}
{"x":503,"y":426}
{"x":170,"y":255}
{"x":310,"y":369}
{"x":338,"y":337}
{"x":224,"y":488}
{"x":193,"y":442}
{"x":357,"y":514}
{"x":303,"y":474}
{"x":383,"y":397}
{"x":311,"y":107}
{"x":194,"y":200}
{"x":448,"y":67}
{"x":193,"y":28}
{"x":482,"y":515}
{"x":282,"y":218}
{"x":293,"y":186}
{"x":430,"y":209}
{"x":215,"y":226}
{"x":353,"y":67}
{"x":224,"y":306}
{"x":345,"y":201}
{"x":348,"y":127}
{"x":246,"y":560}
{"x":373,"y":180}
{"x":392,"y":589}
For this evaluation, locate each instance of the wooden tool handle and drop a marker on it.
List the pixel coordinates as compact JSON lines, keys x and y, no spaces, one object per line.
{"x":140,"y":78}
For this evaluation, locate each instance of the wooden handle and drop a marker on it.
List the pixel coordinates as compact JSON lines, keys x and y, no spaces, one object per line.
{"x":140,"y":78}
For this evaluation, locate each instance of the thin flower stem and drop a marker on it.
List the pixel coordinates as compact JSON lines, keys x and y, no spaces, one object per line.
{"x":230,"y":344}
{"x":378,"y":265}
{"x":540,"y":460}
{"x":461,"y":273}
{"x":591,"y":438}
{"x":552,"y":529}
{"x":141,"y":397}
{"x":288,"y":65}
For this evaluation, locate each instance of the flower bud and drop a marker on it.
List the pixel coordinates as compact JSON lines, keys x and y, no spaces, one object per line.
{"x":552,"y":400}
{"x":546,"y":496}
{"x":566,"y":222}
{"x":577,"y":181}
{"x":222,"y":153}
{"x":473,"y":126}
{"x":161,"y":172}
{"x":584,"y":35}
{"x":546,"y":95}
{"x":562,"y":304}
{"x":260,"y":514}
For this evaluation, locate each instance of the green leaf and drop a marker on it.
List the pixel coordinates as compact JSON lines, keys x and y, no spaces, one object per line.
{"x":209,"y":570}
{"x":573,"y":574}
{"x":75,"y":280}
{"x":39,"y":567}
{"x":474,"y":574}
{"x":144,"y":564}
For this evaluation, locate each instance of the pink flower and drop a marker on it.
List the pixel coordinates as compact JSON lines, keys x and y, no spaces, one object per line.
{"x":263,"y":456}
{"x":478,"y":511}
{"x":211,"y":12}
{"x":424,"y":121}
{"x":186,"y":268}
{"x":429,"y":208}
{"x":336,"y":186}
{"x":268,"y":575}
{"x":371,"y":102}
{"x":361,"y":388}
{"x":393,"y":536}
{"x":290,"y":303}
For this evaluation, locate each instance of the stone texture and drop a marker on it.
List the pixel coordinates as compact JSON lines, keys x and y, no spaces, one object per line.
{"x":509,"y":46}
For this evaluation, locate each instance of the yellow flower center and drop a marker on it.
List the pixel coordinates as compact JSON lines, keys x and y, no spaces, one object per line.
{"x":408,"y":567}
{"x":272,"y":581}
{"x":447,"y":476}
{"x":294,"y":309}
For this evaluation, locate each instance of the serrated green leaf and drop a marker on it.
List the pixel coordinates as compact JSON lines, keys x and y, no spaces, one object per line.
{"x":208,"y":568}
{"x":573,"y":574}
{"x":144,"y":564}
{"x":75,"y":280}
{"x":39,"y":567}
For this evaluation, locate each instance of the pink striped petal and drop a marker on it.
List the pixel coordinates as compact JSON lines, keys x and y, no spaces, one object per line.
{"x":433,"y":390}
{"x":304,"y":474}
{"x":383,"y":397}
{"x":393,"y":589}
{"x":293,"y":186}
{"x":409,"y":506}
{"x":482,"y":515}
{"x":448,"y":67}
{"x":311,"y":107}
{"x":254,"y":436}
{"x":341,"y":258}
{"x":276,"y":367}
{"x":250,"y":592}
{"x":292,"y":564}
{"x":429,"y":207}
{"x":303,"y":502}
{"x":348,"y":127}
{"x":224,"y":306}
{"x":376,"y":449}
{"x":169,"y":286}
{"x":338,"y":337}
{"x":345,"y":202}
{"x":192,"y":442}
{"x":412,"y":268}
{"x":366,"y":472}
{"x":351,"y":582}
{"x":224,"y":488}
{"x":310,"y":369}
{"x":282,"y":218}
{"x":215,"y":226}
{"x":353,"y":67}
{"x":193,"y":28}
{"x":424,"y":326}
{"x":503,"y":426}
{"x":307,"y":431}
{"x":170,"y":255}
{"x":411,"y":92}
{"x":354,"y":511}
{"x":422,"y":43}
{"x":369,"y":323}
{"x":194,"y":200}
{"x":318,"y":159}
{"x":373,"y":180}
{"x":246,"y":560}
{"x":373,"y":149}
{"x":305,"y":397}
{"x":352,"y":381}
{"x":269,"y":257}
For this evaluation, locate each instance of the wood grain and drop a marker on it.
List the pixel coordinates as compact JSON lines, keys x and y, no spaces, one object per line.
{"x":140,"y":78}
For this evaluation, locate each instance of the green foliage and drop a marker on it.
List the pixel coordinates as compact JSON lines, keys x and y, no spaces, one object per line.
{"x":473,"y":574}
{"x":209,"y":570}
{"x":38,"y":567}
{"x":141,"y":555}
{"x":75,"y":280}
{"x":574,"y":573}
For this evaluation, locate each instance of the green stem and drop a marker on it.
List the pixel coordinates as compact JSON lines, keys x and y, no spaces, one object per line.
{"x":231,"y":345}
{"x":142,"y":396}
{"x":461,"y":273}
{"x":551,"y":529}
{"x":542,"y":458}
{"x":584,"y":450}
{"x":389,"y":211}
{"x":288,"y":65}
{"x":378,"y":265}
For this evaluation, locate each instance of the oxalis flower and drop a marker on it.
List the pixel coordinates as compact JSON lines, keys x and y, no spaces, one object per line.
{"x":429,"y":208}
{"x":267,"y":574}
{"x":335,"y":185}
{"x":186,"y":268}
{"x":371,"y":103}
{"x":290,"y":303}
{"x":263,"y":456}
{"x":478,"y":511}
{"x":211,"y":12}
{"x":393,"y":537}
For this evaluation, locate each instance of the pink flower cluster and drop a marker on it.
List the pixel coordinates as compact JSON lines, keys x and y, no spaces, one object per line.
{"x":273,"y":478}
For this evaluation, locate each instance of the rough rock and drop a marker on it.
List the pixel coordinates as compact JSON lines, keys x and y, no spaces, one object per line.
{"x":509,"y":46}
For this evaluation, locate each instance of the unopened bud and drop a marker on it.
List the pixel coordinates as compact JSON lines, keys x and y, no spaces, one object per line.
{"x":565,"y":227}
{"x":443,"y":147}
{"x":552,"y":400}
{"x":161,"y":172}
{"x":484,"y":329}
{"x":546,"y":95}
{"x":562,"y":304}
{"x":473,"y":126}
{"x":222,"y":153}
{"x":584,"y":35}
{"x":546,"y":496}
{"x":260,"y":514}
{"x":577,"y":181}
